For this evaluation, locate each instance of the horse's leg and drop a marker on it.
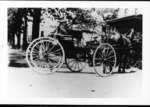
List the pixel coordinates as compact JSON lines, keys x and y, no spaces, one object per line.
{"x":124,"y":62}
{"x":119,"y":67}
{"x":124,"y":67}
{"x":129,"y":59}
{"x":119,"y":63}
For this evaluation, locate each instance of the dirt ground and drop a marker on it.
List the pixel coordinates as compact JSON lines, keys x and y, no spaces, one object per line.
{"x":23,"y":82}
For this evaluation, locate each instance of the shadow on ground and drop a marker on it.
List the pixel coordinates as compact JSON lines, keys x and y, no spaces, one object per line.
{"x":132,"y":71}
{"x":17,"y":59}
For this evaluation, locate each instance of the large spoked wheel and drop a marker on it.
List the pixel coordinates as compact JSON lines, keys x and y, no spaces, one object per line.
{"x":104,"y":60}
{"x":75,"y":64}
{"x":46,"y":55}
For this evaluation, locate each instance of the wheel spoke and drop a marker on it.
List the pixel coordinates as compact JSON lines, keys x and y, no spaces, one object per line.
{"x":57,"y":60}
{"x":57,"y":54}
{"x":53,"y":58}
{"x":47,"y":46}
{"x":57,"y":50}
{"x":43,"y":46}
{"x":71,"y":64}
{"x":36,"y":50}
{"x":110,"y":62}
{"x":35,"y":56}
{"x":110,"y":57}
{"x":103,"y":52}
{"x":51,"y":49}
{"x":53,"y":55}
{"x":108,"y":49}
{"x":75,"y":66}
{"x":111,"y":52}
{"x":78,"y":66}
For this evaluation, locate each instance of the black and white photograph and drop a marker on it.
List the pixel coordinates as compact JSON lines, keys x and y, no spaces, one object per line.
{"x":75,"y":52}
{"x":72,"y":52}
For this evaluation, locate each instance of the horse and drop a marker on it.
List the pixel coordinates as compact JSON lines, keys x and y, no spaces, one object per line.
{"x":136,"y":50}
{"x":122,"y":46}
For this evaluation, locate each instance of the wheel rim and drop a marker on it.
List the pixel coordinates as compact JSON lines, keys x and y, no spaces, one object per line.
{"x":28,"y":53}
{"x":47,"y":55}
{"x":104,"y":59}
{"x":75,"y":65}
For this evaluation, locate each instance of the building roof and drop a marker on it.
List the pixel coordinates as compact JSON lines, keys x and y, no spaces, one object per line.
{"x":127,"y":18}
{"x":134,"y":21}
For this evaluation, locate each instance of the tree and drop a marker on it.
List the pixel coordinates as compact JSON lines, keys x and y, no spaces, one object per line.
{"x":75,"y":16}
{"x":36,"y":22}
{"x":25,"y":43}
{"x":17,"y":24}
{"x":14,"y":26}
{"x":11,"y":29}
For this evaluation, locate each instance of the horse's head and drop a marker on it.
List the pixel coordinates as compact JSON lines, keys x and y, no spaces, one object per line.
{"x":115,"y":36}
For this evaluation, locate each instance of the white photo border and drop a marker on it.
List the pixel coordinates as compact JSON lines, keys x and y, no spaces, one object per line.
{"x":141,"y":100}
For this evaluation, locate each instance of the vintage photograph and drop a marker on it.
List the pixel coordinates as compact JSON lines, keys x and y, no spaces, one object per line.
{"x":74,"y":52}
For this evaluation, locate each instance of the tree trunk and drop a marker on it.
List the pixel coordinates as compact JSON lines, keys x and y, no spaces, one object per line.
{"x":18,"y":40}
{"x":18,"y":27}
{"x":11,"y":40}
{"x":36,"y":23}
{"x":25,"y":43}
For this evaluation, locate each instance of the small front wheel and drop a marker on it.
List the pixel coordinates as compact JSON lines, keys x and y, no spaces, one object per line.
{"x":104,"y":59}
{"x":76,"y":63}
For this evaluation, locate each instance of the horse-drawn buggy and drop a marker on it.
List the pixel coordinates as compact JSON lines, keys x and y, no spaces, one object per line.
{"x":67,"y":46}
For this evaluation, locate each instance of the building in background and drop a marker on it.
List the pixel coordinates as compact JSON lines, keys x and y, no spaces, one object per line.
{"x":123,"y":12}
